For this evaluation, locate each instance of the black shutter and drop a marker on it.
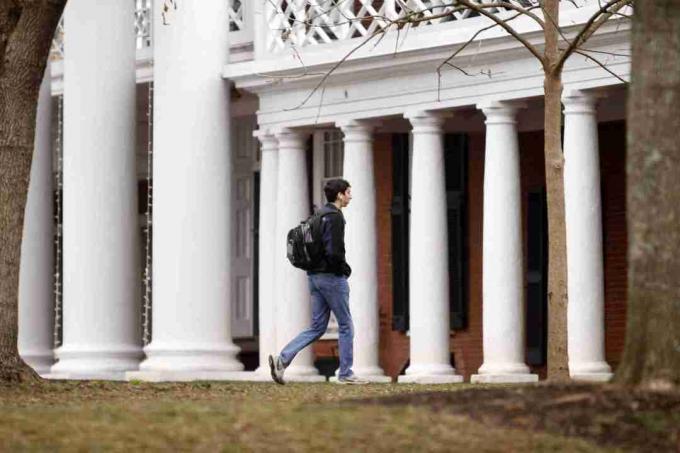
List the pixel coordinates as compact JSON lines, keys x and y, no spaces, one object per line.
{"x":400,"y":221}
{"x":537,"y":277}
{"x":309,"y":162}
{"x":455,"y":159}
{"x":256,"y":253}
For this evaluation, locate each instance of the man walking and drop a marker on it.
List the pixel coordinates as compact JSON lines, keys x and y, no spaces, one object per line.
{"x":329,"y":289}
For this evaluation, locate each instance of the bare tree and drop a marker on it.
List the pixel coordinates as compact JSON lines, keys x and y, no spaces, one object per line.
{"x":552,"y":53}
{"x":26,"y":30}
{"x":652,"y":353}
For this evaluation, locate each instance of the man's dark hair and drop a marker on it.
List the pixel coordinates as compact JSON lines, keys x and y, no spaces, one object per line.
{"x":334,"y":187}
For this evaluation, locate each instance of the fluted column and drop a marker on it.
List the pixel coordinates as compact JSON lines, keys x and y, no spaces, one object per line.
{"x":192,"y":198}
{"x":101,"y":237}
{"x":429,"y":278}
{"x":585,"y":314}
{"x":267,"y":259}
{"x":36,"y":276}
{"x":293,"y":302}
{"x":361,"y":244}
{"x":502,"y":288}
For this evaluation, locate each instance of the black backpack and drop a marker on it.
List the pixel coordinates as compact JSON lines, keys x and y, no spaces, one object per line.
{"x":304,"y":243}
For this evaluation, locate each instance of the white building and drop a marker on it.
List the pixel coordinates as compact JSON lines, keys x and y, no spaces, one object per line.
{"x":250,"y":113}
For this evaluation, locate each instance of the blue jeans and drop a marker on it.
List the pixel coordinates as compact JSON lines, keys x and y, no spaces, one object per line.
{"x":329,"y":293}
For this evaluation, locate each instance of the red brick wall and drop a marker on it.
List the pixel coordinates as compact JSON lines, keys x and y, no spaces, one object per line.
{"x":615,"y":242}
{"x":393,"y":345}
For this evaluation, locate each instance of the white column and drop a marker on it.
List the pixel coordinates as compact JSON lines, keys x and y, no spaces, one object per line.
{"x":192,"y":197}
{"x":585,"y":314}
{"x":429,"y":269}
{"x":267,"y":261}
{"x":36,"y":276}
{"x":361,"y":243}
{"x":101,"y":235}
{"x":293,"y":302}
{"x":502,"y":286}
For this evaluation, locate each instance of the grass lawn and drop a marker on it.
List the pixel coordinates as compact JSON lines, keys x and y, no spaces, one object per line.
{"x":98,"y":416}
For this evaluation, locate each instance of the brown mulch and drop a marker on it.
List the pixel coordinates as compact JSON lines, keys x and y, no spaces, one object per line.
{"x":610,"y":416}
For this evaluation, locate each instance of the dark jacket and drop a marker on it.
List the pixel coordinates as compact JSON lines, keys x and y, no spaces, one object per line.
{"x":333,"y":237}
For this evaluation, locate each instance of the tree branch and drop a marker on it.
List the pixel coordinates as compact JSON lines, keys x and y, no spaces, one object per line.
{"x":602,"y":65}
{"x":593,"y":24}
{"x":502,"y":23}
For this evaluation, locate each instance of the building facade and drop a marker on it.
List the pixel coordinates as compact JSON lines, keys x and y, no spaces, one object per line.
{"x":174,"y":155}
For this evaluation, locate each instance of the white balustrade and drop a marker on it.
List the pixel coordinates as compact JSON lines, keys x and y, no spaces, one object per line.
{"x":300,"y":23}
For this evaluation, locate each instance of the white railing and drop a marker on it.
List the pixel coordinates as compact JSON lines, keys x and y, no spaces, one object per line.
{"x":142,"y":21}
{"x":236,"y":13}
{"x":57,"y":49}
{"x":299,"y":23}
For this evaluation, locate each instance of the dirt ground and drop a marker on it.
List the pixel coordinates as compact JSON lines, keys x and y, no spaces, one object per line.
{"x":608,"y":415}
{"x":105,"y":416}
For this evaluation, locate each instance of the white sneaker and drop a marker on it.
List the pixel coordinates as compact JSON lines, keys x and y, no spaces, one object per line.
{"x":353,"y":380}
{"x":276,"y":367}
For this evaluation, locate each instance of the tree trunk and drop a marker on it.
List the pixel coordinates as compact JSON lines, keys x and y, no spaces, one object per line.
{"x":558,"y":368}
{"x":26,"y":30}
{"x":652,"y":352}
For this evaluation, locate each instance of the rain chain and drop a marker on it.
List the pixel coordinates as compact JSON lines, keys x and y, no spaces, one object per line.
{"x":148,"y":231}
{"x":58,"y":243}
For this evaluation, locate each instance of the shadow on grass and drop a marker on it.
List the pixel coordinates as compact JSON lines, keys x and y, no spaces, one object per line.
{"x":609,"y":415}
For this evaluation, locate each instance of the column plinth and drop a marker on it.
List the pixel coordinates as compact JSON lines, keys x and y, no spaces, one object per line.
{"x":503,"y":288}
{"x":361,"y":244}
{"x":192,"y":199}
{"x":101,"y":236}
{"x":429,"y":280}
{"x":293,"y":303}
{"x":583,"y":210}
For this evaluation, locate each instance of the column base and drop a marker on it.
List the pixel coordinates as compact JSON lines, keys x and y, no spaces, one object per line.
{"x":592,"y":377}
{"x":430,"y":379}
{"x":90,"y":363}
{"x":40,"y":361}
{"x":84,"y":376}
{"x":294,"y":373}
{"x":514,"y":378}
{"x":302,"y":372}
{"x":303,"y":378}
{"x":373,"y":374}
{"x":503,"y":373}
{"x":190,"y":358}
{"x":372,"y":378}
{"x":590,"y":371}
{"x":190,"y":376}
{"x":263,"y":370}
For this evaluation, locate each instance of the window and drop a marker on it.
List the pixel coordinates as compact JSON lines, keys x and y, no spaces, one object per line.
{"x":328,"y":155}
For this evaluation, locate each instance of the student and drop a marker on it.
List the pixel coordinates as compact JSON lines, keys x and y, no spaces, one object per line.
{"x":329,"y":289}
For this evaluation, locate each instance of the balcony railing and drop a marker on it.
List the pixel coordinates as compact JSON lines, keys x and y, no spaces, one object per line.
{"x":299,"y":23}
{"x":142,"y":21}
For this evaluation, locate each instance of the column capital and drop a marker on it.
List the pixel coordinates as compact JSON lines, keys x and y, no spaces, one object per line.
{"x":356,"y":130}
{"x":267,"y":139}
{"x":500,"y":112}
{"x":290,"y":138}
{"x":578,"y":101}
{"x":425,"y":121}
